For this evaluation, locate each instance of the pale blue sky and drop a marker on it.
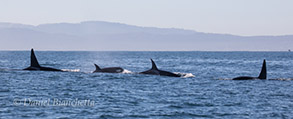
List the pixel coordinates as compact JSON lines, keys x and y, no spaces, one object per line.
{"x":239,"y":17}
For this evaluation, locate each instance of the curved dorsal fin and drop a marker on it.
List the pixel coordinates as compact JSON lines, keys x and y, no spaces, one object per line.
{"x":263,"y":73}
{"x":97,"y":67}
{"x":154,"y":65}
{"x":34,"y":61}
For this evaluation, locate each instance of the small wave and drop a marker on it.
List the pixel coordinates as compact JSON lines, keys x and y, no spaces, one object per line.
{"x":4,"y":69}
{"x":10,"y":69}
{"x":125,"y":71}
{"x":225,"y":79}
{"x":4,"y":61}
{"x":283,"y":79}
{"x":184,"y":75}
{"x":71,"y":70}
{"x":4,"y":90}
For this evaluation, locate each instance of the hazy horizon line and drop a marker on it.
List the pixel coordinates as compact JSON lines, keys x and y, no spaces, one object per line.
{"x":80,"y":22}
{"x":154,"y":50}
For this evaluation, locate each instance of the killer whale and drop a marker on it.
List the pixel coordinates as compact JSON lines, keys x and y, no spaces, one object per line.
{"x":155,"y":71}
{"x":108,"y":69}
{"x":35,"y":66}
{"x":262,"y":75}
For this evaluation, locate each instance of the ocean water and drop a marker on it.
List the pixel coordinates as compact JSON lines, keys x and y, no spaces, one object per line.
{"x":203,"y":91}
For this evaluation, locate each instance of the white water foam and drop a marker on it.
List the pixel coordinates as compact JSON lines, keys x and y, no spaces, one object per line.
{"x":71,"y":70}
{"x":184,"y":75}
{"x":125,"y":71}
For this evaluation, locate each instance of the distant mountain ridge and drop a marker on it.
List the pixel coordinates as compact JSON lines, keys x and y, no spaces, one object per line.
{"x":99,"y":35}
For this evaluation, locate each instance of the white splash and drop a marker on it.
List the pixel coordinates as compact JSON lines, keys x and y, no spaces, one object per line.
{"x":71,"y":70}
{"x":125,"y":71}
{"x":184,"y":75}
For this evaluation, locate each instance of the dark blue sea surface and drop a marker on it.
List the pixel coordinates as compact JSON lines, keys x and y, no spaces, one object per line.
{"x":203,"y":92}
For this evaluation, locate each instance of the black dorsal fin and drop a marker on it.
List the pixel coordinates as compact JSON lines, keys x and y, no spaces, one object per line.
{"x":263,"y":73}
{"x":97,"y":67}
{"x":34,"y":61}
{"x":154,"y":65}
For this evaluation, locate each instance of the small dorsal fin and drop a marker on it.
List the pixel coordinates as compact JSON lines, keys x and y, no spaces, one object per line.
{"x":263,"y":73}
{"x":154,"y":65}
{"x":34,"y":61}
{"x":97,"y":67}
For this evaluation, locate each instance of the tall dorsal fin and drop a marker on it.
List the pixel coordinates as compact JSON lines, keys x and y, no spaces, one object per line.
{"x":34,"y":61}
{"x":97,"y":67}
{"x":263,"y":73}
{"x":154,"y":65}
